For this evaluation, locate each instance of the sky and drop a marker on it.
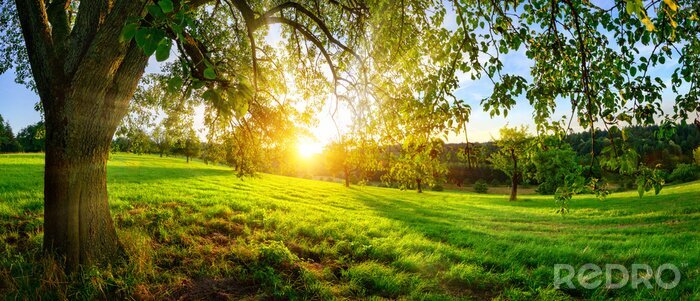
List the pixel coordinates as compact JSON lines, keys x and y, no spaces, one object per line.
{"x":17,"y":102}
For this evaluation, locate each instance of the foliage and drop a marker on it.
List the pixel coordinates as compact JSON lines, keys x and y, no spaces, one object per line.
{"x":554,"y":165}
{"x":685,"y":173}
{"x":513,"y":157}
{"x":481,"y":187}
{"x":32,"y":137}
{"x":648,"y":179}
{"x":8,"y":143}
{"x":418,"y":164}
{"x":696,"y":156}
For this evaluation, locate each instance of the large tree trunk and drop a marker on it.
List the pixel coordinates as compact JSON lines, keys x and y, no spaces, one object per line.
{"x":418,"y":186}
{"x":77,"y":223}
{"x":85,"y":76}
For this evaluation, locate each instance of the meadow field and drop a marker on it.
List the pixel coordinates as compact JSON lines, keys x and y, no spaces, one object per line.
{"x":195,"y":231}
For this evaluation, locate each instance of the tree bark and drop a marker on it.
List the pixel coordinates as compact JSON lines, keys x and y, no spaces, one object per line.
{"x":77,"y":223}
{"x":419,"y":188}
{"x":85,"y":77}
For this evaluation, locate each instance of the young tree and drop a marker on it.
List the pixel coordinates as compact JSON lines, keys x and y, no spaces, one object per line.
{"x":162,"y":140}
{"x":337,"y":158}
{"x":418,"y":164}
{"x":191,"y":145}
{"x":512,"y":156}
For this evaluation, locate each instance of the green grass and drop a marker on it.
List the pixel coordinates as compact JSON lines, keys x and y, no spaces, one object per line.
{"x":194,"y":231}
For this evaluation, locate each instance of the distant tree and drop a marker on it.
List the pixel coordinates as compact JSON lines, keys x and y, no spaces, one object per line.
{"x":32,"y":137}
{"x":162,"y":140}
{"x":133,"y":140}
{"x":8,"y":143}
{"x":192,"y":145}
{"x":337,"y":158}
{"x":512,"y":157}
{"x":418,"y":164}
{"x":696,"y":155}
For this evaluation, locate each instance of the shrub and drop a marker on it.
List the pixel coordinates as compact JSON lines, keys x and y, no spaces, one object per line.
{"x":437,"y":187}
{"x":480,"y":187}
{"x":684,"y":173}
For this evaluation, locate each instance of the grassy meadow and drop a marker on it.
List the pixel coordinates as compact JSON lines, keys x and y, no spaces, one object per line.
{"x":197,"y":232}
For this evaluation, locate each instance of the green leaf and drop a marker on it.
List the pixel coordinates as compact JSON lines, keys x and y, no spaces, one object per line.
{"x":174,"y":84}
{"x":210,"y":73}
{"x":129,"y":31}
{"x":197,"y":84}
{"x":163,"y":50}
{"x":141,"y":36}
{"x":166,"y":6}
{"x":211,"y":95}
{"x":154,"y":10}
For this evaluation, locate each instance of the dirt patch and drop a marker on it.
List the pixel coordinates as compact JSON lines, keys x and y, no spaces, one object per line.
{"x":215,"y":289}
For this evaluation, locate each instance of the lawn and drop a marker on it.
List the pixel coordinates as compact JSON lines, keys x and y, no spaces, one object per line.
{"x":195,"y":231}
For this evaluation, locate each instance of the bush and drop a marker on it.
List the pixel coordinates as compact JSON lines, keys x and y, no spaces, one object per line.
{"x":480,"y":187}
{"x":437,"y":187}
{"x":684,"y":173}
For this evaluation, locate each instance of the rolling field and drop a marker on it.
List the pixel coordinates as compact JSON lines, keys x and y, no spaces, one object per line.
{"x":194,"y":231}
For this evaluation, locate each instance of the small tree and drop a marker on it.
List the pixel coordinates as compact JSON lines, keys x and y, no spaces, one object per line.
{"x":338,"y":158}
{"x":162,"y":140}
{"x":696,"y":155}
{"x":513,"y":155}
{"x":191,"y":146}
{"x":418,"y":164}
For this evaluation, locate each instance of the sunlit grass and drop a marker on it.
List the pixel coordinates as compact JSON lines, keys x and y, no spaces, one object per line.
{"x":197,"y":231}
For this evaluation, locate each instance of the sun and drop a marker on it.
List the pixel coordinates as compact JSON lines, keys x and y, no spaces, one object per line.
{"x":309,"y":147}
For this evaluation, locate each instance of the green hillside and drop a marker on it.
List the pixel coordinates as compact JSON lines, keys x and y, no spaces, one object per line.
{"x":195,"y":231}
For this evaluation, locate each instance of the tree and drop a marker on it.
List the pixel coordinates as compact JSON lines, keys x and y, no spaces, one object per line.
{"x":417,"y":164}
{"x":191,"y":146}
{"x":31,"y":138}
{"x":162,"y":141}
{"x":696,"y":155}
{"x":8,"y":143}
{"x":337,"y":158}
{"x":512,"y":157}
{"x":85,"y":59}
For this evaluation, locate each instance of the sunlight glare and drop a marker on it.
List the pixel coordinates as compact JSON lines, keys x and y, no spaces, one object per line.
{"x":309,"y":147}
